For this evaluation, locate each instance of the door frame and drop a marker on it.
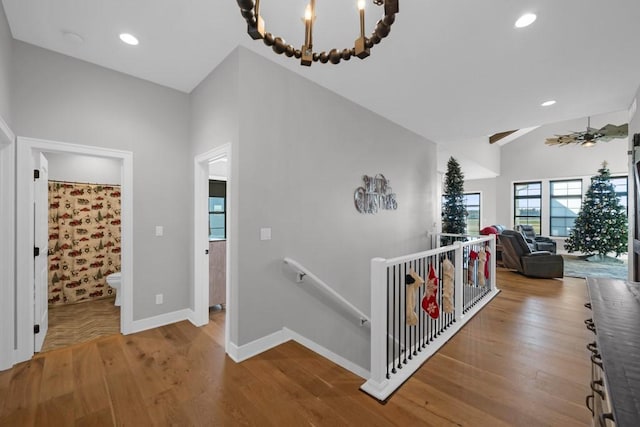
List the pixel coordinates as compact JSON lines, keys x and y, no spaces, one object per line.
{"x":41,"y":240}
{"x":201,"y":241}
{"x":25,"y":148}
{"x":7,"y":244}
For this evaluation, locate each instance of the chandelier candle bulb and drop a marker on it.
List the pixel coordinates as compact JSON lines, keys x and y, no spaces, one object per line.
{"x":361,"y":9}
{"x":360,"y":47}
{"x":306,"y":57}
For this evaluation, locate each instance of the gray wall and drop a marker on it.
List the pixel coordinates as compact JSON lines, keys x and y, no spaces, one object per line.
{"x":76,"y":168}
{"x":60,"y":98}
{"x":214,"y":122}
{"x":303,"y":152}
{"x":6,"y":44}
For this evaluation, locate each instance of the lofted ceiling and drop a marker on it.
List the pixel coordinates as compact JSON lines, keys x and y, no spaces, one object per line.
{"x":448,"y":70}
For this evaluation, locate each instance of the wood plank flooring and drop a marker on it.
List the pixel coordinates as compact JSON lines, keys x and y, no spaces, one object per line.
{"x":76,"y":323}
{"x":521,"y":361}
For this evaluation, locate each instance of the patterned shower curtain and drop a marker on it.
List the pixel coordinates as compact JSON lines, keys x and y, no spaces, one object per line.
{"x":84,"y":240}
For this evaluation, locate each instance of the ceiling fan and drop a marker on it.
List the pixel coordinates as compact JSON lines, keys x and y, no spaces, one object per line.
{"x":590,"y":136}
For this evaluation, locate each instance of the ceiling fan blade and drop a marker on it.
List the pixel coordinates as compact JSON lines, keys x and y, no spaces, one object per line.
{"x":591,"y":135}
{"x":613,"y":131}
{"x":561,"y":140}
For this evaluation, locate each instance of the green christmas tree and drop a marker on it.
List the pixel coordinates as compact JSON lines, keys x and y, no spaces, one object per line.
{"x":601,"y":225}
{"x":453,"y":210}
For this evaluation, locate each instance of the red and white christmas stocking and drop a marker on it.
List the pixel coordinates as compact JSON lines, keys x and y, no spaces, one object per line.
{"x":430,"y":300}
{"x":486,"y":266}
{"x":473,"y":256}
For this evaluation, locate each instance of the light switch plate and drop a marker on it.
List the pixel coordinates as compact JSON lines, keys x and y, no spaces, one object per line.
{"x":159,"y":298}
{"x":265,"y":233}
{"x":159,"y":230}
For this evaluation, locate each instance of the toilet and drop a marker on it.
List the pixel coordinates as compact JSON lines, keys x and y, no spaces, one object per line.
{"x":113,"y":280}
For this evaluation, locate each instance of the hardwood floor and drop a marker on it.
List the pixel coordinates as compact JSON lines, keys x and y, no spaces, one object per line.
{"x":76,"y":323}
{"x":521,"y":361}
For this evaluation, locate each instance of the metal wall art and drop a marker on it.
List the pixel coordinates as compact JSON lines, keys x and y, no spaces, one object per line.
{"x":376,"y":194}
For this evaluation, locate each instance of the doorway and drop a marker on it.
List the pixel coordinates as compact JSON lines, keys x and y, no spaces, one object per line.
{"x":28,"y":149}
{"x":206,"y":166}
{"x":83,"y":242}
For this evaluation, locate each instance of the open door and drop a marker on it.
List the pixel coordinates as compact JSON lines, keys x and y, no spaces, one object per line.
{"x":41,"y":248}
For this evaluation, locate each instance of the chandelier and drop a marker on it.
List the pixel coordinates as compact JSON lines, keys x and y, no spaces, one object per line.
{"x":250,"y":10}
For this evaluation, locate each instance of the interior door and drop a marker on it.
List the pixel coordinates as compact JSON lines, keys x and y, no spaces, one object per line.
{"x":41,"y":237}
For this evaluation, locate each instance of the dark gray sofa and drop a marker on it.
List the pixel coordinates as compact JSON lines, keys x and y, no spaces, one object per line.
{"x":517,"y":255}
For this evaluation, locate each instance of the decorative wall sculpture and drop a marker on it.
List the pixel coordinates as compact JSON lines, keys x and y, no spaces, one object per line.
{"x":84,"y":240}
{"x":376,"y":194}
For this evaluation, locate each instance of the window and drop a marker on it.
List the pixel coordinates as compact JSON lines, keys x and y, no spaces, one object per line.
{"x":527,"y":199}
{"x":566,"y":200}
{"x":620,"y":185}
{"x":217,"y":210}
{"x":471,"y":203}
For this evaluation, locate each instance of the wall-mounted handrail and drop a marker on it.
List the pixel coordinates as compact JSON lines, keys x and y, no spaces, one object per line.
{"x":303,"y":272}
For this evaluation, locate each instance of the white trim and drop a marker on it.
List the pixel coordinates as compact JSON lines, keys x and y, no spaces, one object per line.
{"x":241,"y":353}
{"x":7,"y":243}
{"x":200,"y":307}
{"x":160,"y":320}
{"x":24,"y":220}
{"x":327,"y":354}
{"x":382,"y":390}
{"x":6,"y":134}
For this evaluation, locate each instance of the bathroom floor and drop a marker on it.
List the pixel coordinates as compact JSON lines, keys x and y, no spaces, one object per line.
{"x":77,"y":323}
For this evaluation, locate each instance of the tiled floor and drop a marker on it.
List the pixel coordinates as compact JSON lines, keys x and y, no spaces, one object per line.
{"x":75,"y":323}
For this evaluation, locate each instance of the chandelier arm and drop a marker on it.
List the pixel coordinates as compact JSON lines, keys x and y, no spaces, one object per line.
{"x":255,"y":28}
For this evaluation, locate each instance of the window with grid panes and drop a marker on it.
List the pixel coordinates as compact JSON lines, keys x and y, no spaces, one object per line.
{"x":566,"y":200}
{"x":527,"y":200}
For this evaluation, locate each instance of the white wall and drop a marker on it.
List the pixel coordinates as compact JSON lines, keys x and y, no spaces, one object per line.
{"x":303,"y":151}
{"x":528,"y":158}
{"x":76,"y":168}
{"x":64,"y":99}
{"x":478,"y":158}
{"x":487,"y":190}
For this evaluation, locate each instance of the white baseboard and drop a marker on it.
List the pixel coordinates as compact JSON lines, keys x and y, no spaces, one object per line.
{"x":247,"y":351}
{"x":327,"y":354}
{"x":193,"y":318}
{"x":160,"y":320}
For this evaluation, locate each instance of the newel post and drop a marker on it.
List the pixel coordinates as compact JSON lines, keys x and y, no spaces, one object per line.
{"x":493,"y":284}
{"x":379,"y":294}
{"x":459,"y":277}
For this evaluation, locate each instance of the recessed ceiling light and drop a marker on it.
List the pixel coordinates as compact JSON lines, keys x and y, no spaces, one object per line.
{"x":129,"y":39}
{"x":548,"y":103}
{"x":526,"y":20}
